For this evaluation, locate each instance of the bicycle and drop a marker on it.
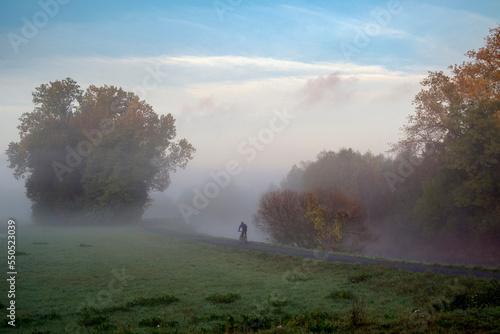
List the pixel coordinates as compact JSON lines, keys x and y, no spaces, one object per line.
{"x":243,"y":237}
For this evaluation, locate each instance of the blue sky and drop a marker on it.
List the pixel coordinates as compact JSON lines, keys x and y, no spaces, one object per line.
{"x":346,"y":70}
{"x":306,"y":31}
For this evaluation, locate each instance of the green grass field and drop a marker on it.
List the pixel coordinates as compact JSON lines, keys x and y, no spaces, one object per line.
{"x":127,"y":280}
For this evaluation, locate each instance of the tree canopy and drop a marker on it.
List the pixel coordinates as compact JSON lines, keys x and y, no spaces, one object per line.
{"x":94,"y":156}
{"x":458,"y":115}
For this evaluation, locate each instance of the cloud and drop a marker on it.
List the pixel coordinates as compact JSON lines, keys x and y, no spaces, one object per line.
{"x":404,"y":91}
{"x":315,"y":89}
{"x":207,"y":106}
{"x":331,"y":89}
{"x":206,"y":103}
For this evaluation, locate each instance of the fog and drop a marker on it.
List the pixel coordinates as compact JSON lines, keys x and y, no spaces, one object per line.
{"x":221,"y":217}
{"x":254,"y":87}
{"x":218,"y":211}
{"x":235,"y":202}
{"x":13,"y":201}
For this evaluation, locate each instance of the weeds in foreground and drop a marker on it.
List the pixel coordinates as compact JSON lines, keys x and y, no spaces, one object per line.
{"x":359,"y":278}
{"x":90,"y":316}
{"x":341,"y":294}
{"x":153,"y":301}
{"x":99,"y":318}
{"x":223,"y":298}
{"x":156,"y":322}
{"x":489,"y":296}
{"x":357,"y":315}
{"x":51,"y":316}
{"x":297,"y":277}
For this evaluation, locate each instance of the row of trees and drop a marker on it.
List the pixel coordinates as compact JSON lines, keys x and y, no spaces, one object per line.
{"x":93,"y":156}
{"x":442,"y":178}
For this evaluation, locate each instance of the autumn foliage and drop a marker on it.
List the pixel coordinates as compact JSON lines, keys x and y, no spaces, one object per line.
{"x":318,"y":219}
{"x":457,"y":115}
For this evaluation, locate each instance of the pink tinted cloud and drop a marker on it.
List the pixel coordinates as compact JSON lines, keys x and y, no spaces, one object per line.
{"x":202,"y":104}
{"x":206,"y":103}
{"x":208,"y":106}
{"x":315,"y":89}
{"x":400,"y":92}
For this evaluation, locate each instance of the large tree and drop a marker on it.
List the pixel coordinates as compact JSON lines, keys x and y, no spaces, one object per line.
{"x":457,"y":115}
{"x":94,"y":156}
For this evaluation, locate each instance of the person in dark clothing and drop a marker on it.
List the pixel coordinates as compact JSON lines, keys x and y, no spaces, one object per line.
{"x":243,"y":229}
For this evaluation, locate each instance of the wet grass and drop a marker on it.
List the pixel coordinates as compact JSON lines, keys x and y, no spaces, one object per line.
{"x":133,"y":281}
{"x":341,"y":294}
{"x":218,"y":298}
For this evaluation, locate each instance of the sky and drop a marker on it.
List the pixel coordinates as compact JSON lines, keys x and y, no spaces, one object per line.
{"x":265,"y":84}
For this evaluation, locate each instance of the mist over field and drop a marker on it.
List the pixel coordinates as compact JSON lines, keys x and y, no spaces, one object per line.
{"x":13,"y":201}
{"x":222,"y":215}
{"x":291,"y":117}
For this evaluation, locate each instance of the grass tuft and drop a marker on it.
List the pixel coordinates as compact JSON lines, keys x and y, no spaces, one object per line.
{"x":90,"y":316}
{"x":51,"y":316}
{"x":341,"y":294}
{"x":359,"y":278}
{"x":156,"y":322}
{"x":114,"y":309}
{"x":357,"y":316}
{"x":293,"y":277}
{"x":223,"y":298}
{"x":153,"y":301}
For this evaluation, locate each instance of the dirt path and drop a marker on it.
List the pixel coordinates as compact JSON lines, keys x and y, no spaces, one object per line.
{"x":320,"y":256}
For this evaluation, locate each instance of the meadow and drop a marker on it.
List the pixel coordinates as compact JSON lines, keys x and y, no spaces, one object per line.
{"x":128,"y":280}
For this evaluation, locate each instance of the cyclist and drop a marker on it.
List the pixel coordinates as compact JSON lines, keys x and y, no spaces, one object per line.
{"x":243,"y":229}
